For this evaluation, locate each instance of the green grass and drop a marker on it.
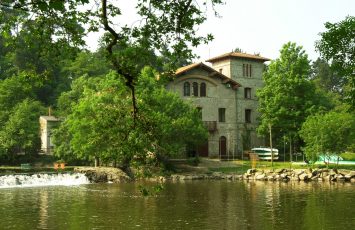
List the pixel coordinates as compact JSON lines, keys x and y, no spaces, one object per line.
{"x":348,"y":156}
{"x":243,"y":166}
{"x":227,"y":170}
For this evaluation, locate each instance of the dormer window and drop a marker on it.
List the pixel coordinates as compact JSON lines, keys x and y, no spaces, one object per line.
{"x":186,"y":89}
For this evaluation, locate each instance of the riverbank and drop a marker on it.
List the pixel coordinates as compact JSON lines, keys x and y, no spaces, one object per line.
{"x":114,"y":175}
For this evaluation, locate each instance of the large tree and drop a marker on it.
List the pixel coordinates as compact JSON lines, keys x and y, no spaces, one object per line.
{"x":99,"y":122}
{"x":19,"y":134}
{"x":165,"y":26}
{"x":337,"y":45}
{"x":329,"y":133}
{"x":288,"y":96}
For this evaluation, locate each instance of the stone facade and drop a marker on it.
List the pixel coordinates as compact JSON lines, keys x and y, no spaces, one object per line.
{"x":46,"y":125}
{"x":231,"y":85}
{"x":247,"y":70}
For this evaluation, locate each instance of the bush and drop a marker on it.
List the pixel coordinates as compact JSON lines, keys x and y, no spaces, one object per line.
{"x":194,"y":161}
{"x":348,"y":156}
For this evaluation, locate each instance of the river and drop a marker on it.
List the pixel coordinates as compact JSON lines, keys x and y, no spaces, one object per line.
{"x":182,"y":205}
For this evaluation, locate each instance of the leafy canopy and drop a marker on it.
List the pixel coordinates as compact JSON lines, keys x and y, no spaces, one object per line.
{"x":333,"y":132}
{"x":337,"y":45}
{"x":288,"y":96}
{"x":99,"y":122}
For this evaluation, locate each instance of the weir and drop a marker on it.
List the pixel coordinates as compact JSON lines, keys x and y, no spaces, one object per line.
{"x":43,"y":179}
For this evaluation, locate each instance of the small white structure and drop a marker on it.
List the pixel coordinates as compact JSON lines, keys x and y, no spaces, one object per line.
{"x":46,"y":125}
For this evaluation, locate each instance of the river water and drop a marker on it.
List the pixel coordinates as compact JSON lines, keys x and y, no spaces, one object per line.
{"x":182,"y":205}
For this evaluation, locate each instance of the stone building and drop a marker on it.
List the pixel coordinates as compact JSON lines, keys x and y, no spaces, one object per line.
{"x":225,"y":94}
{"x":47,"y":123}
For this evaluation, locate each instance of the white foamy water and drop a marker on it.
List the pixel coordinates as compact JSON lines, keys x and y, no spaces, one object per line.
{"x":40,"y":179}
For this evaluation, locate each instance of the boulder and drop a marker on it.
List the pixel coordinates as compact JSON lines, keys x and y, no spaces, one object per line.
{"x":280,"y":170}
{"x":303,"y":176}
{"x":260,"y":177}
{"x":251,"y":171}
{"x":104,"y":174}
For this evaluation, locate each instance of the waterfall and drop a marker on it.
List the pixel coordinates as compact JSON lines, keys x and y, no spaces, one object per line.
{"x":42,"y":179}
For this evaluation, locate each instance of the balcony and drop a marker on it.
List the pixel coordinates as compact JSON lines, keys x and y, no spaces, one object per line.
{"x":211,"y":126}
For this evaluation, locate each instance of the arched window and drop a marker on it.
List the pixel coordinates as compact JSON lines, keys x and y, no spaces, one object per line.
{"x":186,"y":89}
{"x":195,"y":89}
{"x":203,"y":89}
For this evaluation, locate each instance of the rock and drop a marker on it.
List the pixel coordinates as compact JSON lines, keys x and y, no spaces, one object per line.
{"x":315,"y":173}
{"x":270,"y":178}
{"x":352,"y":180}
{"x":303,"y":176}
{"x":251,"y":171}
{"x":280,"y":170}
{"x":283,"y":175}
{"x":347,"y":177}
{"x":104,"y":174}
{"x":260,"y":177}
{"x":298,"y":171}
{"x":333,"y":172}
{"x":340,"y":177}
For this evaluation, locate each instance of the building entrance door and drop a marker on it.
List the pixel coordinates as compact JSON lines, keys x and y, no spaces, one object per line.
{"x":202,"y":150}
{"x":223,"y":146}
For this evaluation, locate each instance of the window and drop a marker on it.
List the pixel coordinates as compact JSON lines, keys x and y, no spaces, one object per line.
{"x":195,"y":89}
{"x":203,"y":89}
{"x":247,"y":93}
{"x":248,"y":116}
{"x":186,"y":89}
{"x":247,"y":70}
{"x":222,"y":115}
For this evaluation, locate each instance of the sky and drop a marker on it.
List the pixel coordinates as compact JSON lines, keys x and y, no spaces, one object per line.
{"x":263,"y":26}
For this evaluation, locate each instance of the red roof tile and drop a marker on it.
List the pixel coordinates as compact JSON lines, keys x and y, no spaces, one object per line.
{"x":210,"y":69}
{"x":238,"y":55}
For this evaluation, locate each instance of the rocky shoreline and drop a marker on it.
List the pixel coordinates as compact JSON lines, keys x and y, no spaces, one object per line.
{"x":115,"y":175}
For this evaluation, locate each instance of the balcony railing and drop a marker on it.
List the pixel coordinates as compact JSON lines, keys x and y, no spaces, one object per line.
{"x":211,"y":126}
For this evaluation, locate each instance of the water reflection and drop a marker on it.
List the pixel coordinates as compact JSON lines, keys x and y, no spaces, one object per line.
{"x":189,"y":205}
{"x":43,"y":209}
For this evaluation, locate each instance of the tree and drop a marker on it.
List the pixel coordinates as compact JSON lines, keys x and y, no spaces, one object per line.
{"x":337,"y":47}
{"x":20,"y":132}
{"x":168,"y":25}
{"x":329,"y":133}
{"x":99,"y":124}
{"x":326,"y":78}
{"x":16,"y":89}
{"x":288,"y":96}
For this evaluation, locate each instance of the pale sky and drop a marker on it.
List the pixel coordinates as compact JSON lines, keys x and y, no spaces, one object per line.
{"x":265,"y":25}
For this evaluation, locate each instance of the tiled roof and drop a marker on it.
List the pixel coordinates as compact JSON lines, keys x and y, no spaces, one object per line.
{"x":209,"y":69}
{"x":238,"y":55}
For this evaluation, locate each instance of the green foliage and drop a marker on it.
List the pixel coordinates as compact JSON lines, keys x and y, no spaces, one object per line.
{"x":20,"y":131}
{"x":333,"y":132}
{"x":326,"y":78}
{"x":99,"y":121}
{"x":337,"y":47}
{"x":348,"y":156}
{"x":288,"y":96}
